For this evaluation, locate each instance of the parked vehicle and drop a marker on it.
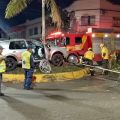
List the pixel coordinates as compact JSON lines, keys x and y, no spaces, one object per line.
{"x":15,"y":47}
{"x":78,"y":44}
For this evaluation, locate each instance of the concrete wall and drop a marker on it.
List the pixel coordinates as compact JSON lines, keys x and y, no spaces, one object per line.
{"x":110,"y":10}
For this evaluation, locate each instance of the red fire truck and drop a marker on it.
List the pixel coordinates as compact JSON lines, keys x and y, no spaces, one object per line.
{"x":78,"y":44}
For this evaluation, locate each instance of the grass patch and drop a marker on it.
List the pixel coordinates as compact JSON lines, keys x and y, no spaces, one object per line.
{"x":116,"y":66}
{"x":65,"y":68}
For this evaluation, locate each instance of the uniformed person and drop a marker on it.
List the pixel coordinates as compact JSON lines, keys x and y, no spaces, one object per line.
{"x":28,"y":66}
{"x":2,"y":67}
{"x":105,"y":57}
{"x":88,"y":58}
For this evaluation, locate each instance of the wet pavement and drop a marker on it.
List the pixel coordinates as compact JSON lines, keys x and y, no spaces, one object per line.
{"x":90,"y":98}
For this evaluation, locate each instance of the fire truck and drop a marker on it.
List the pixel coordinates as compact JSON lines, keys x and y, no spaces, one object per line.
{"x":78,"y":44}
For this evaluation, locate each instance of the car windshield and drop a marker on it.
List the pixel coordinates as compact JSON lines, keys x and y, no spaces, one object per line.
{"x":34,"y":43}
{"x":38,"y":49}
{"x":56,"y":42}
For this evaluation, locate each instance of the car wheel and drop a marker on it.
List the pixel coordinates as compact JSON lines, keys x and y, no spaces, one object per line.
{"x":57,"y":59}
{"x":44,"y":66}
{"x":73,"y":59}
{"x":11,"y":63}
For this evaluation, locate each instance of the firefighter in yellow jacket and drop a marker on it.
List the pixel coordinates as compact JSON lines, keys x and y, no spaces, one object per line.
{"x":28,"y":66}
{"x":2,"y":67}
{"x":105,"y":57}
{"x":88,"y":58}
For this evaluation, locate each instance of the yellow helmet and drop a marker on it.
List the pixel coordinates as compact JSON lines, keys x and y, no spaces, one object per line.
{"x":89,"y":48}
{"x":101,"y":45}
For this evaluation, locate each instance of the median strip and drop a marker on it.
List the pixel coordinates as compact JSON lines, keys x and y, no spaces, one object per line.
{"x":47,"y":77}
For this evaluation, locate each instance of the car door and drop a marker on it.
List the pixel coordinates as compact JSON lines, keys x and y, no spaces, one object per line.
{"x":17,"y":47}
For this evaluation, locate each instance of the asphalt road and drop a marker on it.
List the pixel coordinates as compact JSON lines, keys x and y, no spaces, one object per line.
{"x":90,"y":98}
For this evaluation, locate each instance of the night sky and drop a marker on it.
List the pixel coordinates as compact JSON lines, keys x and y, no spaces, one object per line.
{"x":33,"y":11}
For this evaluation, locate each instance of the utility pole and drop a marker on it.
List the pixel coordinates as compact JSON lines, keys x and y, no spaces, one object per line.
{"x":43,"y":21}
{"x":43,"y":25}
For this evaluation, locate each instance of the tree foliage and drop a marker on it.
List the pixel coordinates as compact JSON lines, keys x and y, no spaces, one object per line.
{"x":114,"y":1}
{"x":15,"y":7}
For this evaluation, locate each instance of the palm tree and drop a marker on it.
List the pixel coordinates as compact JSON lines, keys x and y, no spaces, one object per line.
{"x":14,"y":7}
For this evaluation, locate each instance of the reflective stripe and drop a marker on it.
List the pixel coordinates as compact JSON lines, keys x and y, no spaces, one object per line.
{"x":26,"y":60}
{"x":105,"y":51}
{"x":2,"y":66}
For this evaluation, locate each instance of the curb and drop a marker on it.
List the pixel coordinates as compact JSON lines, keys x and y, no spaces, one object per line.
{"x":66,"y":76}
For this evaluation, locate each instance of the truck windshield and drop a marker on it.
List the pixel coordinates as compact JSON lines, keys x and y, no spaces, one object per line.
{"x":56,"y":42}
{"x":51,"y":42}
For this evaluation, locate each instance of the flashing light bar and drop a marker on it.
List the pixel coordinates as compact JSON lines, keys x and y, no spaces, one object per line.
{"x":118,"y":35}
{"x":106,"y":35}
{"x":93,"y":35}
{"x":57,"y":33}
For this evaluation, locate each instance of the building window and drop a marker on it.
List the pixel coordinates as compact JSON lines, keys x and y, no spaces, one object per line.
{"x":67,"y":41}
{"x":78,"y":40}
{"x":35,"y":30}
{"x":87,"y":20}
{"x":116,"y":21}
{"x":30,"y":31}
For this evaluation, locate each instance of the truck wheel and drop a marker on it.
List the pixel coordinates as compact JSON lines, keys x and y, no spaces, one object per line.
{"x":57,"y":59}
{"x":73,"y":59}
{"x":11,"y":63}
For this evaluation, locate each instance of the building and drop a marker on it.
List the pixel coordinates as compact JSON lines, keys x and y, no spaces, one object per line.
{"x":100,"y":14}
{"x":99,"y":17}
{"x":29,"y":29}
{"x":3,"y":34}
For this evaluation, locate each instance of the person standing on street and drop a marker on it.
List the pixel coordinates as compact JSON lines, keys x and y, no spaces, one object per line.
{"x":88,"y":58}
{"x":2,"y":67}
{"x":105,"y":57}
{"x":28,"y":66}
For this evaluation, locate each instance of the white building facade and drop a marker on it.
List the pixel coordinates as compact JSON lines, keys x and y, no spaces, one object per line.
{"x":100,"y":14}
{"x":29,"y":29}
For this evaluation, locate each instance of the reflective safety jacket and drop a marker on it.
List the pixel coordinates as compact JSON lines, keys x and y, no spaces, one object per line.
{"x":2,"y":66}
{"x":89,"y":55}
{"x":26,"y":60}
{"x":105,"y":53}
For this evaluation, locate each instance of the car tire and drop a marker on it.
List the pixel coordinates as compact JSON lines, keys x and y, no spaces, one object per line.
{"x":11,"y":63}
{"x":57,"y":59}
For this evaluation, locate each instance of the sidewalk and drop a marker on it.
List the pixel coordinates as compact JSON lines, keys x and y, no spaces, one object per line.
{"x":48,"y":77}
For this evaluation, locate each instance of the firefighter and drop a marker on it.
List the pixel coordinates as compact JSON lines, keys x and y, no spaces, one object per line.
{"x":88,"y":58}
{"x":2,"y":67}
{"x":105,"y":57}
{"x":28,"y":66}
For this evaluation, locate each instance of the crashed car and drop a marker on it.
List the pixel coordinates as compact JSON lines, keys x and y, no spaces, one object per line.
{"x":13,"y":49}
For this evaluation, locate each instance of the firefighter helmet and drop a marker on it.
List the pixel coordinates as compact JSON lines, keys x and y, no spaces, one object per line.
{"x":101,"y":45}
{"x":89,"y":48}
